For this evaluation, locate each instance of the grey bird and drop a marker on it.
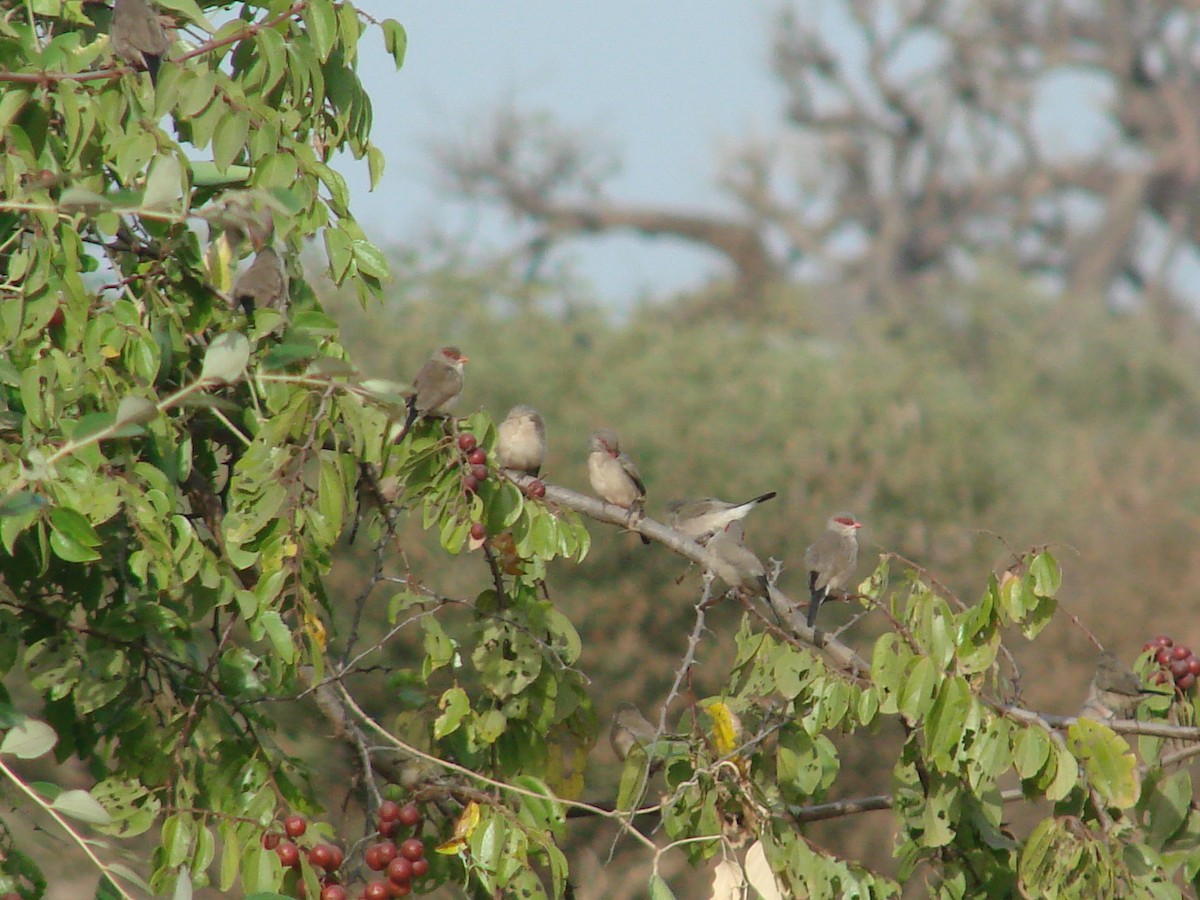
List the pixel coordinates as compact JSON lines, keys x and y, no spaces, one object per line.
{"x":438,"y":384}
{"x":629,"y":729}
{"x":830,"y":561}
{"x":1115,"y":690}
{"x":731,"y":561}
{"x":138,"y":36}
{"x":521,"y":441}
{"x":613,"y":476}
{"x":263,"y":285}
{"x":701,"y":519}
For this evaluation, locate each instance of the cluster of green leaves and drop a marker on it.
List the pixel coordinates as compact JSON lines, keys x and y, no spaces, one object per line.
{"x":938,"y":676}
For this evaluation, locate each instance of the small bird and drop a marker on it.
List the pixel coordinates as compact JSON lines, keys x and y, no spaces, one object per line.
{"x":701,"y":519}
{"x":630,"y":729}
{"x":138,"y":36}
{"x":1115,"y":690}
{"x":731,"y":561}
{"x":263,"y":285}
{"x":830,"y":560}
{"x":613,"y":475}
{"x":437,"y":385}
{"x":521,"y":441}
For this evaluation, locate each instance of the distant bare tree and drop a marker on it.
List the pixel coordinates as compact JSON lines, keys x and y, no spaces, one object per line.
{"x":913,"y":148}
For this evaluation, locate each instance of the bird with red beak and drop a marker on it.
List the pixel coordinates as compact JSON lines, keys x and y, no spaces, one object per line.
{"x":613,"y":476}
{"x":438,"y":384}
{"x":830,"y":560}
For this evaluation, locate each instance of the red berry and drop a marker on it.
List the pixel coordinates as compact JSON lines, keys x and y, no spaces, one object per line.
{"x":477,"y":457}
{"x":271,"y":840}
{"x":338,"y":858}
{"x":1149,"y":645}
{"x":388,"y":829}
{"x":480,"y":472}
{"x":1181,"y":652}
{"x":420,"y":867}
{"x":467,"y":442}
{"x":399,"y":888}
{"x":1186,"y":681}
{"x":376,"y":890}
{"x":1163,"y":656}
{"x":1163,"y":641}
{"x":478,"y":532}
{"x":371,"y":859}
{"x":295,"y":825}
{"x":325,"y":856}
{"x":1179,"y":668}
{"x":1159,"y":677}
{"x":389,"y":811}
{"x":412,"y":849}
{"x":400,"y":869}
{"x":537,"y":489}
{"x":289,"y":854}
{"x":1194,"y":665}
{"x":387,"y":852}
{"x":470,"y":484}
{"x":334,"y":892}
{"x":409,"y":815}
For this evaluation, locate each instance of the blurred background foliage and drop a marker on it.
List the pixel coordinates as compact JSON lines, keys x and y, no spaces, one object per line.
{"x":985,"y":423}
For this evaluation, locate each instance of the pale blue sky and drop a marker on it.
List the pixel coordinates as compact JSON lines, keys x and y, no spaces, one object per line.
{"x":667,"y":85}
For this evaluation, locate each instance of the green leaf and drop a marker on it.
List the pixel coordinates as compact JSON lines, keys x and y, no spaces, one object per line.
{"x":659,"y":889}
{"x":634,"y":777}
{"x":1107,"y":761}
{"x":226,"y":358}
{"x":279,"y":635}
{"x":28,"y":740}
{"x":133,"y":410}
{"x":1047,"y":577}
{"x":164,"y":184}
{"x":82,"y":806}
{"x":1031,"y":752}
{"x":75,"y":526}
{"x":455,"y":705}
{"x":395,"y":40}
{"x":229,"y":140}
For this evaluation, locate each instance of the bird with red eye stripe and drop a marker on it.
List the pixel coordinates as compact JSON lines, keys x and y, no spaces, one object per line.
{"x":438,"y":384}
{"x":830,"y":560}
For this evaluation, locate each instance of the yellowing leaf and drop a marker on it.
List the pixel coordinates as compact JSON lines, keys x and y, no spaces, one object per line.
{"x":463,"y":828}
{"x":315,"y":628}
{"x":726,"y":730}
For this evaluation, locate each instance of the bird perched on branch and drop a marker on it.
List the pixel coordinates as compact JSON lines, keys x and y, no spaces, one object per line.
{"x":830,"y":560}
{"x":613,"y":476}
{"x":521,"y":441}
{"x":629,"y":729}
{"x":263,"y":285}
{"x":701,"y":519}
{"x":438,"y":384}
{"x":735,"y":564}
{"x":138,"y":36}
{"x":1115,"y":690}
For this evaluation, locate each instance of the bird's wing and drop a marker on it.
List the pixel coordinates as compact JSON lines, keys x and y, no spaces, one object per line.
{"x":631,"y":470}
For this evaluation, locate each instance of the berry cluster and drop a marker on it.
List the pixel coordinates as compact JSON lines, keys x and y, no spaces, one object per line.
{"x":475,"y":467}
{"x":400,"y":864}
{"x":1177,"y":660}
{"x":477,"y":470}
